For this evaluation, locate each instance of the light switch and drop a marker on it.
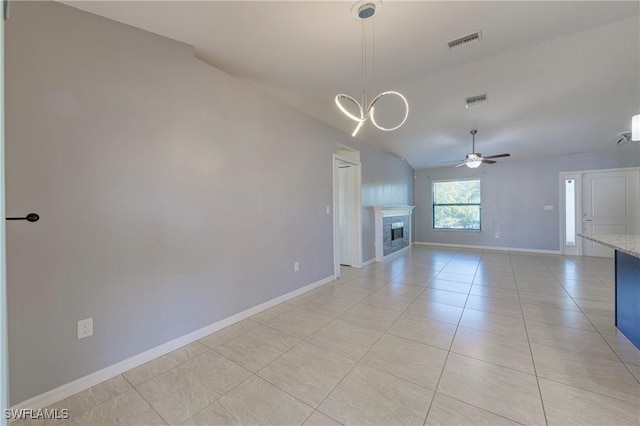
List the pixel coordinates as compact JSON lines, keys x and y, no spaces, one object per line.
{"x":548,"y":207}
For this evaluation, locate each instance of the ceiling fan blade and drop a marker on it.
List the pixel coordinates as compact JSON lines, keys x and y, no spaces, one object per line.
{"x":498,"y":156}
{"x":453,"y":161}
{"x":485,"y":161}
{"x":461,"y":164}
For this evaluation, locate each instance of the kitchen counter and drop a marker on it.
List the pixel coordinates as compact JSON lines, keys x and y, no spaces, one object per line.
{"x":629,"y":244}
{"x":627,"y":263}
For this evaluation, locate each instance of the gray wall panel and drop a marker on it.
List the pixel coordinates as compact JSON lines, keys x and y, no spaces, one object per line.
{"x":171,"y":194}
{"x":514,"y":193}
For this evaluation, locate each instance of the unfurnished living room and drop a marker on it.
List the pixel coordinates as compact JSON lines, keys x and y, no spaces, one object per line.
{"x":320,"y":213}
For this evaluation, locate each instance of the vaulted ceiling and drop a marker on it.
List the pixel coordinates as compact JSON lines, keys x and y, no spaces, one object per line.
{"x":561,"y":77}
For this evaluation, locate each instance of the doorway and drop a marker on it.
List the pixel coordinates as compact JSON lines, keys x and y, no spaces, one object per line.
{"x":347,"y":244}
{"x":345,"y":207}
{"x":601,"y":202}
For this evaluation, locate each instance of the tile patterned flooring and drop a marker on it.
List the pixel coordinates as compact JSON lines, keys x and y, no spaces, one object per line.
{"x":435,"y":336}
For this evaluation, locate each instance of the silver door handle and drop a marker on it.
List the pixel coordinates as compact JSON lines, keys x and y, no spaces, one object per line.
{"x":587,"y":220}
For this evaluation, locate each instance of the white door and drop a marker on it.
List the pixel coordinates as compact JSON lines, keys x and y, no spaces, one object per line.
{"x":609,"y":206}
{"x":345,"y":213}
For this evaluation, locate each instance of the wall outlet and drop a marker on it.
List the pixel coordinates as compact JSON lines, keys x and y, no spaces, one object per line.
{"x":85,"y":328}
{"x":296,"y":266}
{"x":328,"y":210}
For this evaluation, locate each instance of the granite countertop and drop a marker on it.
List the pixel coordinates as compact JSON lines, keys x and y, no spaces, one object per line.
{"x":629,"y":244}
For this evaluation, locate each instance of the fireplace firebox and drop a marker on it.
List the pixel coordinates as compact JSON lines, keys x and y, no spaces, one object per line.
{"x":397,"y":231}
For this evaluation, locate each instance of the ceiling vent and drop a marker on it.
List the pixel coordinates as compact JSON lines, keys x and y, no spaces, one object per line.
{"x":476,"y":101}
{"x":477,"y":36}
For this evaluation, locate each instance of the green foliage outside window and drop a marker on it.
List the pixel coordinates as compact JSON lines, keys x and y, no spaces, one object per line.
{"x":456,"y":205}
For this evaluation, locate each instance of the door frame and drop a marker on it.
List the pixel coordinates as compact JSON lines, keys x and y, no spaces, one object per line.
{"x":356,"y":217}
{"x":577,"y":176}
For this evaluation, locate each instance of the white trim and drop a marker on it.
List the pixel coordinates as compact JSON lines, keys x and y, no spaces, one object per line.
{"x":58,"y":394}
{"x":564,"y":249}
{"x":346,"y":160}
{"x":633,"y":208}
{"x":334,"y":215}
{"x":396,"y":253}
{"x":380,"y":212}
{"x":396,"y":210}
{"x":357,"y":220}
{"x":357,"y":216}
{"x":455,"y":179}
{"x":578,"y":175}
{"x":368,"y":262}
{"x":471,"y":246}
{"x":624,"y":169}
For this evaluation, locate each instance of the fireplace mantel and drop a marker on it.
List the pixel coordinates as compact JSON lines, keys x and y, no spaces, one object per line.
{"x":382,"y":212}
{"x":395,"y":210}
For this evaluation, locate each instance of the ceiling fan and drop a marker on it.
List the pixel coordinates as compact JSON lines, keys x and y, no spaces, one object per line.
{"x":474,"y":159}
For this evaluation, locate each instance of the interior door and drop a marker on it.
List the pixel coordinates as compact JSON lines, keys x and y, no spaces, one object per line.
{"x":609,"y":206}
{"x":345,"y":213}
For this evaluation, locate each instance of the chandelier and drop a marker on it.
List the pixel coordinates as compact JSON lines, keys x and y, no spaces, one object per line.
{"x":367,"y":111}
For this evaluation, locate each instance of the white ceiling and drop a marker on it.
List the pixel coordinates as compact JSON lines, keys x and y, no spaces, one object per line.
{"x":561,"y":77}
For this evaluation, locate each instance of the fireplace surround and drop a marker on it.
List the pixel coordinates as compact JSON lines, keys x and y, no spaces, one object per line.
{"x":392,"y":230}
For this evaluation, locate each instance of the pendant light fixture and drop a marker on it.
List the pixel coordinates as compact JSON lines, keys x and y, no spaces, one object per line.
{"x":367,"y":111}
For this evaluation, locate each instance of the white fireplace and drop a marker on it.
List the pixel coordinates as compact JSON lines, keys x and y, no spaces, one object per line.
{"x":392,"y":231}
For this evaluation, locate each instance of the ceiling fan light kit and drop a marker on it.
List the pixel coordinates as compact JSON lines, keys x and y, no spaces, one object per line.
{"x":474,"y":159}
{"x":365,"y":112}
{"x":635,"y":128}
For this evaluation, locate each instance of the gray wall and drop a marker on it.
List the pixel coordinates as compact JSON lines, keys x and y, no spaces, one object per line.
{"x":171,"y":194}
{"x":514,"y":193}
{"x":384,"y":182}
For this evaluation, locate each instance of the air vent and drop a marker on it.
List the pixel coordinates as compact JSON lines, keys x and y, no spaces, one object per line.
{"x":475,"y":101}
{"x":477,"y":36}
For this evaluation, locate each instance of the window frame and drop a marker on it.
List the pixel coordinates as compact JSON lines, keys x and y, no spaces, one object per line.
{"x":433,"y":206}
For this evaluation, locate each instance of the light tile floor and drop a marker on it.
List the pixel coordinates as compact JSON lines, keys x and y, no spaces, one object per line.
{"x":435,"y":336}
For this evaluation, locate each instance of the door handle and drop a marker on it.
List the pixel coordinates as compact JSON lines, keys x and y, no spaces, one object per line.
{"x":587,"y":220}
{"x":31,"y":217}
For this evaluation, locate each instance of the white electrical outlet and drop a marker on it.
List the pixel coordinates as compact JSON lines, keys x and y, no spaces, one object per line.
{"x":85,"y":328}
{"x":328,"y":210}
{"x":296,"y":266}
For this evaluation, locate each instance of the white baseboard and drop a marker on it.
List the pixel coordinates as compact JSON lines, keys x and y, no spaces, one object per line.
{"x":478,"y":247}
{"x":83,"y":383}
{"x":396,"y":253}
{"x":368,"y":262}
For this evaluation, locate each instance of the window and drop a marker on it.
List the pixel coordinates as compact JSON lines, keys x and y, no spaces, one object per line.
{"x":456,"y":205}
{"x":570,"y":212}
